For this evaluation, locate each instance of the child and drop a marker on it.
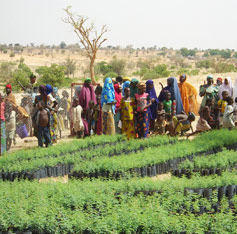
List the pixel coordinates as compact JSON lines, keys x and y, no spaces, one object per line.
{"x":228,"y":121}
{"x":89,"y":117}
{"x":10,"y":118}
{"x":167,"y":103}
{"x":77,"y":119}
{"x":42,"y":123}
{"x":53,"y":125}
{"x":182,"y":123}
{"x":143,"y":102}
{"x":97,"y":115}
{"x":221,"y":106}
{"x":160,"y":123}
{"x":127,"y":106}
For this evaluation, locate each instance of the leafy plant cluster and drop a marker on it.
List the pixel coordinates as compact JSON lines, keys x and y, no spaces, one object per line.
{"x":116,"y":207}
{"x":155,"y":156}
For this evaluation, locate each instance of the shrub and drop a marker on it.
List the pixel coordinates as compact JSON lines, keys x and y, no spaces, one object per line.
{"x":12,"y":54}
{"x":6,"y":71}
{"x":222,"y":67}
{"x":110,"y":74}
{"x":118,"y":66}
{"x":186,"y":52}
{"x":205,"y":63}
{"x":53,"y":75}
{"x":102,"y":68}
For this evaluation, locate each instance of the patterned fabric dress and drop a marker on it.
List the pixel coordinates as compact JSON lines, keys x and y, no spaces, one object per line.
{"x":127,"y":116}
{"x":142,"y":117}
{"x":3,"y":129}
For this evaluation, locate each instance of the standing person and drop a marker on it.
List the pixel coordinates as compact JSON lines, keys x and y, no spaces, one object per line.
{"x":108,"y":107}
{"x":119,"y":80}
{"x":167,"y":103}
{"x":97,"y":116}
{"x":10,"y":96}
{"x":89,"y":117}
{"x":127,"y":107}
{"x":126,"y":84}
{"x":76,"y":118}
{"x":222,"y":103}
{"x":228,"y":120}
{"x":10,"y":117}
{"x":189,"y":95}
{"x":65,"y":105}
{"x":118,"y":97}
{"x":218,"y":82}
{"x":87,"y":94}
{"x":226,"y":86}
{"x":173,"y":88}
{"x":3,"y":128}
{"x":152,"y":110}
{"x":208,"y":90}
{"x":133,"y":87}
{"x":43,"y":124}
{"x":142,"y":103}
{"x":98,"y":90}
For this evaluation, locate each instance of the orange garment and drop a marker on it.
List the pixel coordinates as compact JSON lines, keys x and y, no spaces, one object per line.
{"x":189,"y":97}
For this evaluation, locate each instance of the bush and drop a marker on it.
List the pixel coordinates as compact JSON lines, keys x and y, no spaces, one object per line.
{"x":6,"y":71}
{"x":223,"y":53}
{"x":222,"y":67}
{"x":53,"y":75}
{"x":102,"y":68}
{"x":186,"y":52}
{"x":12,"y":54}
{"x":118,"y":66}
{"x":110,"y":74}
{"x":205,"y":63}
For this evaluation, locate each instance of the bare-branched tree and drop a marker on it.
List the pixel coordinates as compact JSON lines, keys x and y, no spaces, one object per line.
{"x":88,"y":35}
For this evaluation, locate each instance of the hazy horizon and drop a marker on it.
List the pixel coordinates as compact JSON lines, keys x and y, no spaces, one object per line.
{"x":203,"y":24}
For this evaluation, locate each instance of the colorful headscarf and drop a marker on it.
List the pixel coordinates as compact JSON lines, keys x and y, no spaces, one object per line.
{"x":8,"y":86}
{"x":88,"y":80}
{"x":126,"y":84}
{"x":209,"y":77}
{"x":55,"y":90}
{"x":175,"y":94}
{"x":152,"y":110}
{"x":49,"y":89}
{"x":219,"y":78}
{"x":134,"y":90}
{"x":108,"y":93}
{"x":229,"y":88}
{"x":118,"y":96}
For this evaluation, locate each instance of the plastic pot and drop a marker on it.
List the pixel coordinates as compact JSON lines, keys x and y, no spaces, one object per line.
{"x":231,"y":191}
{"x":207,"y":193}
{"x":153,"y":170}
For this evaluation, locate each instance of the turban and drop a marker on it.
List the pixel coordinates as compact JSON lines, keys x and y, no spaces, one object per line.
{"x":8,"y":86}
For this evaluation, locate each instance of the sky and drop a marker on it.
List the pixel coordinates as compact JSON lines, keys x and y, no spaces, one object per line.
{"x":198,"y":24}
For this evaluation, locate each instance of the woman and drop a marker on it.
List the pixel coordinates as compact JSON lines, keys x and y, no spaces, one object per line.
{"x":3,"y":127}
{"x":143,"y":103}
{"x":173,"y":88}
{"x":226,"y":86}
{"x":133,"y":87}
{"x":189,"y":95}
{"x":152,"y":110}
{"x":87,"y":94}
{"x":127,"y":114}
{"x":126,"y":84}
{"x":209,"y":90}
{"x":118,"y":97}
{"x":108,"y":107}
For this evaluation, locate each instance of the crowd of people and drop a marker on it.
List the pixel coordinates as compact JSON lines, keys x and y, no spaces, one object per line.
{"x":121,"y":106}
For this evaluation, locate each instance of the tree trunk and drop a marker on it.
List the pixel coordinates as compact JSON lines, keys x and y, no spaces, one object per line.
{"x":92,"y":71}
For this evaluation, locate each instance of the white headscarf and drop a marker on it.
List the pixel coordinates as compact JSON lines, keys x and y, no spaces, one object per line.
{"x":228,"y":88}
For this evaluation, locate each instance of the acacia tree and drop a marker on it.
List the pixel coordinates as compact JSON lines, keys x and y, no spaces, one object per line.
{"x":88,"y":35}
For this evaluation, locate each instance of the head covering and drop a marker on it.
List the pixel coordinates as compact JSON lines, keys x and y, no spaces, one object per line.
{"x":65,"y":93}
{"x":126,"y":79}
{"x":126,"y":84}
{"x":42,"y":90}
{"x":118,"y":96}
{"x":175,"y":94}
{"x":49,"y":89}
{"x":152,"y":113}
{"x":108,"y":93}
{"x":55,"y":90}
{"x":229,"y":88}
{"x":219,"y":78}
{"x":8,"y":86}
{"x":210,"y":76}
{"x":88,"y":80}
{"x":133,"y":90}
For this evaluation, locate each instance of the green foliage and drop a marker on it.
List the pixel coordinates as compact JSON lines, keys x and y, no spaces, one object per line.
{"x":22,"y":75}
{"x":186,"y":52}
{"x":110,"y":74}
{"x":6,"y":71}
{"x":70,"y":67}
{"x":205,"y":63}
{"x":12,"y":54}
{"x":62,"y":45}
{"x":153,"y":73}
{"x":223,"y":53}
{"x":223,"y":67}
{"x":235,"y":55}
{"x":192,"y":72}
{"x":102,"y":68}
{"x":53,"y":75}
{"x":118,"y":66}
